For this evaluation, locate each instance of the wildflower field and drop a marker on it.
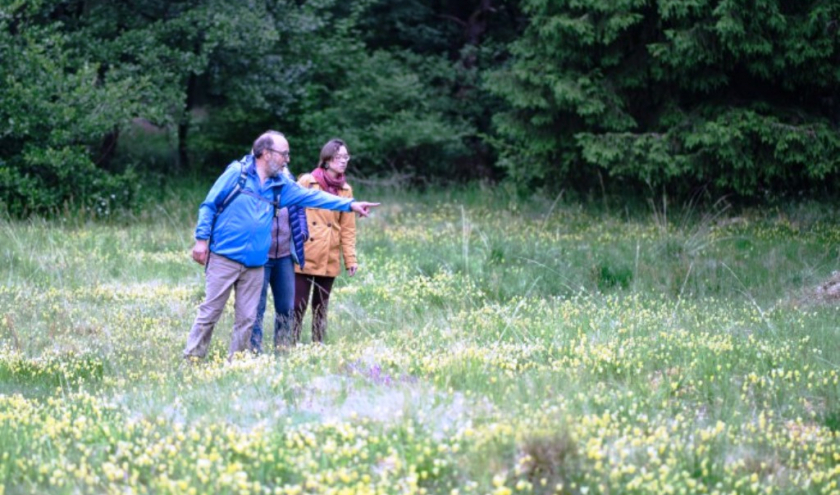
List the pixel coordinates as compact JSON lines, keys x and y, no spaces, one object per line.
{"x":488,"y":344}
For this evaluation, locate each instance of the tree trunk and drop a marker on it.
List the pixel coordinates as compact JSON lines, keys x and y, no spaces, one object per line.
{"x":184,"y":125}
{"x":108,"y":148}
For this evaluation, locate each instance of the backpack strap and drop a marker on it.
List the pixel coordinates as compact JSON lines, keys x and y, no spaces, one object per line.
{"x":238,"y":188}
{"x":276,"y":201}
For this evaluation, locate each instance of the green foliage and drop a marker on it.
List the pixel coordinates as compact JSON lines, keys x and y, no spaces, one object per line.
{"x":732,"y":95}
{"x":54,"y":110}
{"x":448,"y":47}
{"x":728,"y":95}
{"x":390,"y":105}
{"x":320,"y":80}
{"x":79,"y":73}
{"x":387,"y":111}
{"x":255,"y":73}
{"x":401,"y":85}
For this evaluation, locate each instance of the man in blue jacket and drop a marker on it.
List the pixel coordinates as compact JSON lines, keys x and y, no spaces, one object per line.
{"x":233,"y":235}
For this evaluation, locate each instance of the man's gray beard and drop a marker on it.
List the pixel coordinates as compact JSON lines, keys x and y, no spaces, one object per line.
{"x":274,"y":170}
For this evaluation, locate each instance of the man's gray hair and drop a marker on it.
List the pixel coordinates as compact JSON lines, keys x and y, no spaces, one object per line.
{"x":265,"y":142}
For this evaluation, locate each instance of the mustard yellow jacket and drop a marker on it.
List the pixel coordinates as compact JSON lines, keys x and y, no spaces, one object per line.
{"x":330,"y":233}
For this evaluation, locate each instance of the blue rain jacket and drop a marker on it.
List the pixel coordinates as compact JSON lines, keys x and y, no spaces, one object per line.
{"x":242,"y":230}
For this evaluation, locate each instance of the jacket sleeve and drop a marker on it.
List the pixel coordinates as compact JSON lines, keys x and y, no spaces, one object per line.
{"x":304,"y":225}
{"x":207,"y":211}
{"x":348,"y":237}
{"x":294,"y":194}
{"x":297,"y":215}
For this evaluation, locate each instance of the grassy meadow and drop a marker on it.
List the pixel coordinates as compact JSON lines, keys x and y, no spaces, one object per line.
{"x":488,"y":344}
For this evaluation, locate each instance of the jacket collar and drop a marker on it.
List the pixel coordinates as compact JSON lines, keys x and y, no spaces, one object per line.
{"x":251,"y":170}
{"x":250,"y":164}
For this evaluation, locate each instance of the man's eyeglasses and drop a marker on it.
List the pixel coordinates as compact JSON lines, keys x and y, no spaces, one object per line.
{"x":284,"y":154}
{"x":342,"y":157}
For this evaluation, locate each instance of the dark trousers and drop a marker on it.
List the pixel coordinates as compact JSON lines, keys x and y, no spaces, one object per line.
{"x":280,"y":276}
{"x":320,"y":300}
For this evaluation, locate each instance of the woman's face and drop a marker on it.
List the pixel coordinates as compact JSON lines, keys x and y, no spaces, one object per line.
{"x":339,"y":161}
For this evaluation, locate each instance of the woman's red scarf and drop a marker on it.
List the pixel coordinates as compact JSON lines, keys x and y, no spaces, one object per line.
{"x":327,"y":183}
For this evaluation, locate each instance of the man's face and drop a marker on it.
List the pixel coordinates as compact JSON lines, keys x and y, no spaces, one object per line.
{"x":278,"y":156}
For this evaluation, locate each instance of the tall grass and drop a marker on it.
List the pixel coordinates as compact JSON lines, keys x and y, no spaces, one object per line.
{"x":488,"y":344}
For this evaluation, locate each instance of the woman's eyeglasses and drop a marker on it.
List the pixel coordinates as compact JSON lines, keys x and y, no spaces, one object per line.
{"x":342,"y":157}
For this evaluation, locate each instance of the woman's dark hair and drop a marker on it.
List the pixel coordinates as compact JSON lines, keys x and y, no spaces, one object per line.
{"x":329,"y":151}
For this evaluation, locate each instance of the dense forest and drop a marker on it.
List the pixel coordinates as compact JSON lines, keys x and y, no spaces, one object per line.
{"x":725,"y":96}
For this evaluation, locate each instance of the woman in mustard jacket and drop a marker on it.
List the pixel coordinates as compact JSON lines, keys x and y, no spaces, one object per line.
{"x":332,"y":234}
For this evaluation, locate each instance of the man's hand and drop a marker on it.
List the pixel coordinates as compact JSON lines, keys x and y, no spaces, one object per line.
{"x":351,"y":270}
{"x":200,"y":251}
{"x":362,"y":207}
